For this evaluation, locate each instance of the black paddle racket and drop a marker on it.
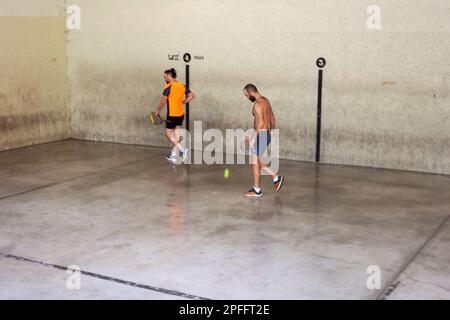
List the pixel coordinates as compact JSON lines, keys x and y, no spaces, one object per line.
{"x":156,"y":119}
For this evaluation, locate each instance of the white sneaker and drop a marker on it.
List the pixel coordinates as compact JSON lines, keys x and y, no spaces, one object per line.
{"x":171,"y":158}
{"x":184,"y":154}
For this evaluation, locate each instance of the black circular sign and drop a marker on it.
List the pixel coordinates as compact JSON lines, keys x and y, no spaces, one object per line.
{"x":187,"y":57}
{"x":321,"y":62}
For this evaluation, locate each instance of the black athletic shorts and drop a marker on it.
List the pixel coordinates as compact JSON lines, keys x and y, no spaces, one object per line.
{"x":172,"y":122}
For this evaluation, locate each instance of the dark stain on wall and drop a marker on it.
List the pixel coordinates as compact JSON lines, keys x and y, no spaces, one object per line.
{"x":24,"y":129}
{"x":389,"y":149}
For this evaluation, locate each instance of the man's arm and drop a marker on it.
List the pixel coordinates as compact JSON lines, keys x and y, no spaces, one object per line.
{"x":164,"y":98}
{"x":259,"y":118}
{"x":189,"y":97}
{"x":259,"y":123}
{"x":162,"y":104}
{"x":272,"y":119}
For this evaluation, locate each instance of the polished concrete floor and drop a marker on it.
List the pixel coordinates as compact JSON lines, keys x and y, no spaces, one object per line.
{"x":141,"y":228}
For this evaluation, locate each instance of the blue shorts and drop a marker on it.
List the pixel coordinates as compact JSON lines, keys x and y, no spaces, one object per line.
{"x":262,"y":142}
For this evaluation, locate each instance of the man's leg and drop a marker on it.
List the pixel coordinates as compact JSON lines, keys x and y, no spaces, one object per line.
{"x":183,"y":150}
{"x":267,"y":169}
{"x":177,"y":136}
{"x":277,"y":180}
{"x":173,"y":152}
{"x":170,"y":133}
{"x":177,"y":133}
{"x":256,"y":190}
{"x":256,"y":172}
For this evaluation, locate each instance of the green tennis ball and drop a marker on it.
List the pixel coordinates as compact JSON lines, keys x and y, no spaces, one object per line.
{"x":226,"y":173}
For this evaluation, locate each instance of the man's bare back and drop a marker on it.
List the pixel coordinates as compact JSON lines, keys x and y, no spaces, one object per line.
{"x":264,"y":117}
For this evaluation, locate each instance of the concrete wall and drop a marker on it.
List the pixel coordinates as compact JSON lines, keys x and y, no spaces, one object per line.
{"x":32,"y":8}
{"x":33,"y":69}
{"x":386,"y":93}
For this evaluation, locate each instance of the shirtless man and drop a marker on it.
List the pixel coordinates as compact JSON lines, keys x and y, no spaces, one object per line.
{"x":264,"y":123}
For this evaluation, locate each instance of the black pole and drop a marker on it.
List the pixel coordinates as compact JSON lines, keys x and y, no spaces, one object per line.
{"x":321,"y":62}
{"x":319,"y":115}
{"x":187,"y":104}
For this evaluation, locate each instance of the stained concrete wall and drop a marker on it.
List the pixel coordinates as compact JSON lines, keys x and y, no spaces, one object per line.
{"x":33,"y":68}
{"x":32,"y":8}
{"x":386,"y":92}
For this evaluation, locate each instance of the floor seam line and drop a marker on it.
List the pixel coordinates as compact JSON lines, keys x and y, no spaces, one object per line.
{"x":107,"y":278}
{"x":383,"y":295}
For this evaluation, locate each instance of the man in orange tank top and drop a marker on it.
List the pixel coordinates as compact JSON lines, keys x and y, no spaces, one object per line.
{"x":175,"y":95}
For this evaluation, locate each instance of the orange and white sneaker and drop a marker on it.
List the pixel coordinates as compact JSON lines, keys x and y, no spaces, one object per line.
{"x":278,"y":183}
{"x":252,"y":193}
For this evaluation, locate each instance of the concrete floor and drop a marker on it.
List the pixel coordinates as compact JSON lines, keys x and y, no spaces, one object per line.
{"x":145,"y":229}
